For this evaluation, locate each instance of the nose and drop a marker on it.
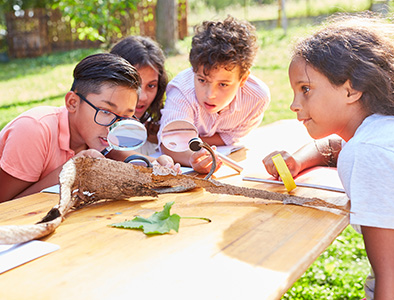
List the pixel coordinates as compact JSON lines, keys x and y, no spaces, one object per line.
{"x":295,"y":105}
{"x":210,"y":92}
{"x":143,"y":95}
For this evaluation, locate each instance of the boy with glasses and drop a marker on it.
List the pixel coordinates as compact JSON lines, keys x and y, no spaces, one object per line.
{"x":34,"y":146}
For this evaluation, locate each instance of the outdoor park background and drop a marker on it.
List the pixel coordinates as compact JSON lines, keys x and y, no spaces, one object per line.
{"x":340,"y":271}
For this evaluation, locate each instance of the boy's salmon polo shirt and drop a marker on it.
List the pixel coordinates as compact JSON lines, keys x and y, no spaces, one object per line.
{"x":35,"y":143}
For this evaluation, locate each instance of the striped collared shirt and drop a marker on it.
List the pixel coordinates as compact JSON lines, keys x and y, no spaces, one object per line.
{"x":236,"y":120}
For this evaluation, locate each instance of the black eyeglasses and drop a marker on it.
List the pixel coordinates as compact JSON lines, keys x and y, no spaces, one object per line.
{"x":104,"y":117}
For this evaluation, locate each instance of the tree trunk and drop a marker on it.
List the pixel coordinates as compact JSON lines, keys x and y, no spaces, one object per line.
{"x":282,"y":19}
{"x":380,"y":6}
{"x":308,"y":8}
{"x":166,"y":25}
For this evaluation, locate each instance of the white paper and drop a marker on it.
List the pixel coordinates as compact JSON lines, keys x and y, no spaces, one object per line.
{"x":227,"y":150}
{"x":15,"y":255}
{"x":187,"y":170}
{"x":52,"y":189}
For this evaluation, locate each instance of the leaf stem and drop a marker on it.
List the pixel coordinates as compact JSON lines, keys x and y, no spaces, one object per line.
{"x":198,"y":218}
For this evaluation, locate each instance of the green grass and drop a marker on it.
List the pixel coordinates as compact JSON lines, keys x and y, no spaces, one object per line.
{"x":45,"y":80}
{"x":338,"y":273}
{"x":294,"y":8}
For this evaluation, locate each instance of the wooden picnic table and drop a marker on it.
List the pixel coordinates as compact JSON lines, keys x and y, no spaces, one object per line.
{"x":252,"y":249}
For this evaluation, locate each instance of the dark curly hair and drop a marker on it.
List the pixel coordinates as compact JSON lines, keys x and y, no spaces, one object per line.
{"x":359,"y":49}
{"x":142,"y":51}
{"x":229,"y":43}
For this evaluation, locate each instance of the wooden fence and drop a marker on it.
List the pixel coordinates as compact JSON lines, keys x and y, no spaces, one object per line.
{"x":38,"y":31}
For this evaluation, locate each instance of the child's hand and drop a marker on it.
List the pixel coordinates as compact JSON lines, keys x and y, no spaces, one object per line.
{"x":291,"y":162}
{"x":167,"y":161}
{"x":92,"y":153}
{"x":201,"y":161}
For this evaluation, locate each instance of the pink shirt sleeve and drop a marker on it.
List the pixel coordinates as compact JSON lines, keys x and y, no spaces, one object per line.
{"x":25,"y":146}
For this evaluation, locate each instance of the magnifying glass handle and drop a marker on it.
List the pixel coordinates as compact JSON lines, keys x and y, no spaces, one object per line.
{"x":195,"y":144}
{"x":229,"y":162}
{"x":106,"y":150}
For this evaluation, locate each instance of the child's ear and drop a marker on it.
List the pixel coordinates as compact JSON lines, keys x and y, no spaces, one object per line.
{"x":352,"y":94}
{"x":72,"y":101}
{"x":244,"y":78}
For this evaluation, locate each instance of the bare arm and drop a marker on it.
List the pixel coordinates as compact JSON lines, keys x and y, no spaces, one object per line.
{"x":379,"y":243}
{"x":213,"y":140}
{"x":49,"y":180}
{"x":10,"y":186}
{"x":322,"y":152}
{"x":16,"y":188}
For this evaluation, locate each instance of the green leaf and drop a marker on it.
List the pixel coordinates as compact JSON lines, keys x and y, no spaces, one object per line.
{"x":158,"y":223}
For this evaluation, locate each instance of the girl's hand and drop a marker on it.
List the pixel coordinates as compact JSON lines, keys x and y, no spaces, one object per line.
{"x":291,"y":162}
{"x":201,"y":161}
{"x":167,"y":161}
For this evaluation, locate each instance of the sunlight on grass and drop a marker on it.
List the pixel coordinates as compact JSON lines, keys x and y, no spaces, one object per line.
{"x":55,"y":82}
{"x":338,"y":274}
{"x":294,"y":8}
{"x":23,"y":80}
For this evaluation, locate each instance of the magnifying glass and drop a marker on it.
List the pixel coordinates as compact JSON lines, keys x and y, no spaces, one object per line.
{"x":125,"y":135}
{"x":177,"y":136}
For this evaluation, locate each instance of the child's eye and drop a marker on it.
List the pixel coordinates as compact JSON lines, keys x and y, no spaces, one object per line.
{"x":152,"y":86}
{"x":305,"y":89}
{"x":201,"y":80}
{"x":105,"y":112}
{"x":223,"y":84}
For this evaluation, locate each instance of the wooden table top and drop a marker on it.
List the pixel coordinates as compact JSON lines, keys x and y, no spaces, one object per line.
{"x":252,"y":249}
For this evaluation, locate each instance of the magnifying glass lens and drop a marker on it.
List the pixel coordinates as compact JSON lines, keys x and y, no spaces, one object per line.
{"x":177,"y":134}
{"x":127,"y":135}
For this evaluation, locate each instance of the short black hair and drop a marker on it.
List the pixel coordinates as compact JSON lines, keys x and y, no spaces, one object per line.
{"x":97,"y":70}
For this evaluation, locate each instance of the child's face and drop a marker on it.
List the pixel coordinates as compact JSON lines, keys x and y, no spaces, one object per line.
{"x":84,"y":130}
{"x":215,"y":91}
{"x":149,"y":86}
{"x":320,"y":105}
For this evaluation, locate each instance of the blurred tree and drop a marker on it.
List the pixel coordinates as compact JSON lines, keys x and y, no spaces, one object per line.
{"x":96,"y":20}
{"x":92,"y":19}
{"x":282,"y":19}
{"x":7,"y":6}
{"x":13,"y":5}
{"x":167,"y":25}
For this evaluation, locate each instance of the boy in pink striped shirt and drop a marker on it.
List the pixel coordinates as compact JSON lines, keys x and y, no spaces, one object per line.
{"x":217,"y":94}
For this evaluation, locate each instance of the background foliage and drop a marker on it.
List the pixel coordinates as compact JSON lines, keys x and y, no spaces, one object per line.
{"x":101,"y":20}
